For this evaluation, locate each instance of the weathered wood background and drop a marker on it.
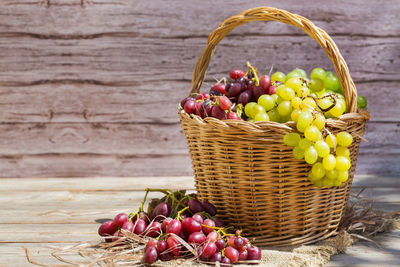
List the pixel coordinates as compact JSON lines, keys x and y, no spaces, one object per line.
{"x":89,"y":88}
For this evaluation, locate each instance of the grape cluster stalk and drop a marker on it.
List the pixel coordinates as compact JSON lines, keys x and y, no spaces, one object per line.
{"x":181,"y":226}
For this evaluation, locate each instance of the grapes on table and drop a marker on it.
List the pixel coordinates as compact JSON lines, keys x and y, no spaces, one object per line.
{"x":306,"y":100}
{"x":176,"y":217}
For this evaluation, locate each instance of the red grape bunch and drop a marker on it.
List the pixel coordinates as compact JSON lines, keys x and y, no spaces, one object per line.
{"x":181,"y":226}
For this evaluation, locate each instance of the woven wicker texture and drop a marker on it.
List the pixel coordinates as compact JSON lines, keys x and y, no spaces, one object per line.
{"x":250,"y":175}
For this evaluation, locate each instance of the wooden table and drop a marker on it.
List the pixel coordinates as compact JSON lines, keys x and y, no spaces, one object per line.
{"x":58,"y":211}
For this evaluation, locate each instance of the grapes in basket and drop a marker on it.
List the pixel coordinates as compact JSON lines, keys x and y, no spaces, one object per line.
{"x":180,"y":226}
{"x":307,"y":101}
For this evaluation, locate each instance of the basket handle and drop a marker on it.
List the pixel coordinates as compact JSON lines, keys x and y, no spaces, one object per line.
{"x":266,"y":14}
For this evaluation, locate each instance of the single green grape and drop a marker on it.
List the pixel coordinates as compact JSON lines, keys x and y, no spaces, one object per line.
{"x":332,"y":83}
{"x":291,"y":139}
{"x":338,"y":109}
{"x":248,"y":109}
{"x":267,"y":102}
{"x":295,"y":114}
{"x":287,"y":93}
{"x":261,"y":116}
{"x":332,"y":174}
{"x":295,"y":83}
{"x":342,"y":163}
{"x":327,"y":182}
{"x":316,"y":85}
{"x":311,"y":177}
{"x":304,"y":120}
{"x":318,"y":170}
{"x":342,"y":151}
{"x":278,"y":89}
{"x":319,"y":121}
{"x":310,"y":155}
{"x":344,"y":139}
{"x":278,"y":76}
{"x":325,"y":103}
{"x":330,"y":73}
{"x":331,"y":140}
{"x":308,"y":103}
{"x":284,"y":108}
{"x":343,"y":176}
{"x":303,"y":91}
{"x":296,"y":101}
{"x":361,"y":102}
{"x":322,"y":148}
{"x":302,"y":72}
{"x":292,"y":74}
{"x":312,"y":133}
{"x":274,"y":115}
{"x":318,"y":73}
{"x":257,"y":109}
{"x":304,"y":143}
{"x":329,"y":162}
{"x":298,"y":153}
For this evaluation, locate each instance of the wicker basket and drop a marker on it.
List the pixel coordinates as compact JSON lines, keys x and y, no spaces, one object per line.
{"x":249,"y":174}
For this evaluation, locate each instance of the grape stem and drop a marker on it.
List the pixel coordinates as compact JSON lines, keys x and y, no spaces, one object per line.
{"x":254,"y":71}
{"x":331,"y":96}
{"x":178,"y":216}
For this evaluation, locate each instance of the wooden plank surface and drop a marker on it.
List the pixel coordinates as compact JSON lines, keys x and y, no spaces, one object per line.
{"x":37,"y":213}
{"x":90,"y":88}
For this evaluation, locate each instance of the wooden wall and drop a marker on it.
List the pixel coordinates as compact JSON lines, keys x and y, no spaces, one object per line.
{"x":89,"y":88}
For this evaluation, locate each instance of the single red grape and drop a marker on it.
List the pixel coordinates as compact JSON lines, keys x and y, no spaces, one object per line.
{"x":206,"y":223}
{"x":107,"y":228}
{"x":128,"y":226}
{"x":209,"y":249}
{"x":140,"y":226}
{"x":245,"y":97}
{"x":165,"y":223}
{"x":150,"y":255}
{"x":225,"y":261}
{"x":219,"y":87}
{"x":174,"y":227}
{"x":231,"y":241}
{"x":254,"y":253}
{"x":238,"y":243}
{"x":174,"y":246}
{"x":272,"y":90}
{"x":189,"y":225}
{"x":257,"y":92}
{"x":196,"y":238}
{"x":183,"y":235}
{"x":224,"y":103}
{"x":218,"y":113}
{"x":218,"y":222}
{"x":233,"y":116}
{"x":198,"y":217}
{"x":151,"y":243}
{"x":120,"y":219}
{"x":265,"y":82}
{"x":185,"y":100}
{"x":154,"y":229}
{"x":236,"y":74}
{"x":161,"y":246}
{"x":234,"y":90}
{"x":243,"y":255}
{"x":190,"y":106}
{"x":199,"y":110}
{"x":213,"y":236}
{"x":232,"y":254}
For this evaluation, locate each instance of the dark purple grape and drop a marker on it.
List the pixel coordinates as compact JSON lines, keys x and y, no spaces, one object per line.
{"x":218,"y":112}
{"x":235,"y":90}
{"x":215,"y":93}
{"x":209,"y":208}
{"x":207,"y":108}
{"x":250,"y":85}
{"x":166,"y":257}
{"x":161,"y":211}
{"x":196,"y":238}
{"x":245,"y":97}
{"x":183,"y":235}
{"x":195,"y":206}
{"x":218,"y":222}
{"x":254,"y":253}
{"x":220,"y":243}
{"x":257,"y":92}
{"x":216,"y":257}
{"x":107,"y":228}
{"x":150,"y":255}
{"x":239,"y":243}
